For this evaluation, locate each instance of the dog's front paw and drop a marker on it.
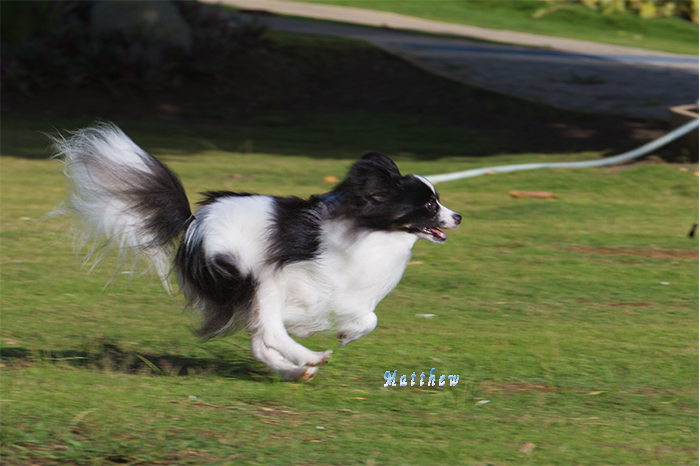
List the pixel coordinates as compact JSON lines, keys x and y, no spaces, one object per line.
{"x":324,"y":359}
{"x":344,"y":339}
{"x":357,"y":328}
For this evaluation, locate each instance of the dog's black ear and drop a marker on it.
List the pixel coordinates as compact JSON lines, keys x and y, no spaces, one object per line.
{"x":376,"y":176}
{"x":381,"y":160}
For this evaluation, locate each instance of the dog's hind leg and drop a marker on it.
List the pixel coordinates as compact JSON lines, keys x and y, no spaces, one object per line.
{"x":357,"y":328}
{"x":277,"y":363}
{"x":269,"y":325}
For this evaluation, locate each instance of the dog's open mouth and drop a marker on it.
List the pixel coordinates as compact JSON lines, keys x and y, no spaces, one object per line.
{"x":434,"y":234}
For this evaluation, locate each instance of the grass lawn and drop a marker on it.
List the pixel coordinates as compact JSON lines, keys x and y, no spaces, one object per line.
{"x":572,"y":323}
{"x":572,"y":21}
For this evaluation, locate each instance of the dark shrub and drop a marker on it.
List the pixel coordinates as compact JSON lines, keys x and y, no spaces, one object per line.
{"x":49,"y":43}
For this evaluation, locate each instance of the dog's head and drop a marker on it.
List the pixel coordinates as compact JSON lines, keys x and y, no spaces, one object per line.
{"x":378,"y":197}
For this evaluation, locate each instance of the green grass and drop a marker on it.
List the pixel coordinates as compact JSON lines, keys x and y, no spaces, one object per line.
{"x":573,"y":21}
{"x":553,"y":311}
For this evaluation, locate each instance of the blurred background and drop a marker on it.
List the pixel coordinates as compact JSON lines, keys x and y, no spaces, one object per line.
{"x":229,"y":65}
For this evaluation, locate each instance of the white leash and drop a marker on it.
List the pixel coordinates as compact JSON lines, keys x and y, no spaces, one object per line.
{"x":645,"y":149}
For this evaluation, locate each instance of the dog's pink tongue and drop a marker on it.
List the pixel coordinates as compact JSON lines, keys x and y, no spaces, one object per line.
{"x":438,"y":233}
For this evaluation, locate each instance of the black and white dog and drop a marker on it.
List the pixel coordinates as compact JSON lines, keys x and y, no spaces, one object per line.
{"x":276,"y":266}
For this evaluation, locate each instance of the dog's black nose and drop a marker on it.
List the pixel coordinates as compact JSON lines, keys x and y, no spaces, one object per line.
{"x":457,"y":217}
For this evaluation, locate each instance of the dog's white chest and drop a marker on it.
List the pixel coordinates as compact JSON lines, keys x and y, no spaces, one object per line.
{"x":370,"y":269}
{"x":346,"y":282}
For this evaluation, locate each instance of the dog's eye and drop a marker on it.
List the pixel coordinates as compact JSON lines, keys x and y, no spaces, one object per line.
{"x":431,"y":206}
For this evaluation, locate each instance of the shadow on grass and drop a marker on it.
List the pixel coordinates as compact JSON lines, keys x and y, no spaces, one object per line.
{"x":109,"y":357}
{"x":318,"y":97}
{"x":348,"y":136}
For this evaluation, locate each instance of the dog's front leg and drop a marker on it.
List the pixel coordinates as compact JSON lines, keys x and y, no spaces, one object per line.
{"x":356,"y":328}
{"x":269,"y":325}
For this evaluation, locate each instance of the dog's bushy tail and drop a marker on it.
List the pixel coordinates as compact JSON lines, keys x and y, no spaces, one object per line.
{"x":123,"y":195}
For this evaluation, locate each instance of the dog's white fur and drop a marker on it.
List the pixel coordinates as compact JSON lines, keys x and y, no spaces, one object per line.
{"x":338,"y":289}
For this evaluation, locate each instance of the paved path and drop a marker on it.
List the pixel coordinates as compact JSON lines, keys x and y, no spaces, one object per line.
{"x":566,"y":73}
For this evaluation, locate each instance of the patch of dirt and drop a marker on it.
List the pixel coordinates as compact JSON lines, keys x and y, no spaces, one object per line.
{"x":209,"y":405}
{"x":266,"y":411}
{"x":299,"y":76}
{"x":685,"y":254}
{"x":628,"y":304}
{"x":525,"y":387}
{"x":515,"y":387}
{"x":672,"y":392}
